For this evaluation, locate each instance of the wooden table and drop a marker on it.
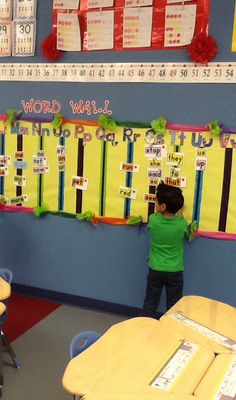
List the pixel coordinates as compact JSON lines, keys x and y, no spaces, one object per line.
{"x":126,"y":360}
{"x":5,"y":289}
{"x":206,"y":321}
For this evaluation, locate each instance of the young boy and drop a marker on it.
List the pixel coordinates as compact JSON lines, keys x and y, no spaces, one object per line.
{"x":167,"y":231}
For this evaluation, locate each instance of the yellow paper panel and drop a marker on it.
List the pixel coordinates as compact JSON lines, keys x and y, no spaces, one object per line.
{"x":140,"y":179}
{"x":10,"y":149}
{"x":212,"y":189}
{"x":51,"y":179}
{"x":234,"y":32}
{"x":92,"y":171}
{"x":188,"y":172}
{"x":71,"y":144}
{"x":231,"y":216}
{"x":115,"y":177}
{"x":30,"y":148}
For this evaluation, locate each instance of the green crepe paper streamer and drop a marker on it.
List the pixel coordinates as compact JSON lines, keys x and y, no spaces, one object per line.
{"x":86,"y":216}
{"x":191,"y":230}
{"x":132,"y":124}
{"x":134,"y":220}
{"x":41,"y":211}
{"x":11,"y":115}
{"x":215,"y":128}
{"x":57,"y":121}
{"x":62,"y":214}
{"x":107,"y":122}
{"x":159,"y":125}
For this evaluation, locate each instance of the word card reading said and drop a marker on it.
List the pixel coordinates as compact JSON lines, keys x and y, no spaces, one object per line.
{"x":25,"y":8}
{"x":24,"y":38}
{"x":68,"y":32}
{"x":5,"y":9}
{"x":100,"y":29}
{"x":5,"y":38}
{"x":66,"y":4}
{"x":179,"y":25}
{"x":137,"y":27}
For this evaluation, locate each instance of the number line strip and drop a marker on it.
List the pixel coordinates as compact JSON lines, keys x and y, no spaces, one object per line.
{"x":120,"y":72}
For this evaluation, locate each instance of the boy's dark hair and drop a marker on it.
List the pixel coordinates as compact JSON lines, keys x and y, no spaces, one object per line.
{"x":171,"y":196}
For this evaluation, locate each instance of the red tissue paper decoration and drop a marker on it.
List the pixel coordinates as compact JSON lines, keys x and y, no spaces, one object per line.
{"x":202,"y":49}
{"x":49,"y":48}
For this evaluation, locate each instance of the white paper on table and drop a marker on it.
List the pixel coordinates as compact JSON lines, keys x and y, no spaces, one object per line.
{"x":68,"y":32}
{"x":5,"y":38}
{"x":65,"y":4}
{"x":100,"y":30}
{"x":138,"y":3}
{"x":25,"y":8}
{"x":5,"y":9}
{"x":137,"y":27}
{"x":100,"y":3}
{"x":179,"y":25}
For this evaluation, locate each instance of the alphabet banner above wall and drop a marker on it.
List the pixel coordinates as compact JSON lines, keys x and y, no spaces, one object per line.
{"x":78,"y":167}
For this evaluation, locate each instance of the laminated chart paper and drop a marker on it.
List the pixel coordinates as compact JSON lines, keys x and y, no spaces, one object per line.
{"x":100,"y":28}
{"x":5,"y":38}
{"x":24,"y":32}
{"x":6,"y":9}
{"x":137,"y":27}
{"x":25,"y":8}
{"x":68,"y":32}
{"x":179,"y":25}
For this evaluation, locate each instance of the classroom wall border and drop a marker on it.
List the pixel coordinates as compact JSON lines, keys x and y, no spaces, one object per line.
{"x":69,"y":299}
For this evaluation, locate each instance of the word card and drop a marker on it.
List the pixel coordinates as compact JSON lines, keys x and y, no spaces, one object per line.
{"x":179,"y":25}
{"x":5,"y":38}
{"x":24,"y":37}
{"x":5,"y":9}
{"x":137,"y":27}
{"x":79,"y":182}
{"x":100,"y":28}
{"x":68,"y":32}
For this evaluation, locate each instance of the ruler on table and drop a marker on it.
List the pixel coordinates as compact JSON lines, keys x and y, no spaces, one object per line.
{"x":120,"y":72}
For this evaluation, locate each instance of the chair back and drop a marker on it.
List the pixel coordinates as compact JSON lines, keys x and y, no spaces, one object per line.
{"x":82,"y":341}
{"x":6,"y":274}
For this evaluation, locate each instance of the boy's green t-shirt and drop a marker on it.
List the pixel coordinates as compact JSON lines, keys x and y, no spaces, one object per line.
{"x":167,"y":242}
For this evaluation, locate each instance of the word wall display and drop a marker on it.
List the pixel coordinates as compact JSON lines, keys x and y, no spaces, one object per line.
{"x":17,"y":27}
{"x":82,"y":166}
{"x":88,"y":25}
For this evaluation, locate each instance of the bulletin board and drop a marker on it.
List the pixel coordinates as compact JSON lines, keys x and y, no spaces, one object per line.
{"x":113,"y":172}
{"x":128,"y":25}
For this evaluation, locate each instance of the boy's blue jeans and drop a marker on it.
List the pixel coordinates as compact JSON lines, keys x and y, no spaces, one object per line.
{"x":156,"y":280}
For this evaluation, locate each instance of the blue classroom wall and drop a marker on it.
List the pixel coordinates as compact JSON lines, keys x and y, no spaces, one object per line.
{"x":104,"y":262}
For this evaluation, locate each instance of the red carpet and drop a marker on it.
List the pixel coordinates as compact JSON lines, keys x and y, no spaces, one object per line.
{"x":24,"y":312}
